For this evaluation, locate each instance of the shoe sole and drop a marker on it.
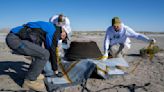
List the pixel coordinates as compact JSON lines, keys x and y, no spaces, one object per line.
{"x":29,"y":89}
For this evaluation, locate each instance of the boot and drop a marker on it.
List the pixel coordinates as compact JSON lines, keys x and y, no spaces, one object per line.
{"x":40,"y":77}
{"x":34,"y":85}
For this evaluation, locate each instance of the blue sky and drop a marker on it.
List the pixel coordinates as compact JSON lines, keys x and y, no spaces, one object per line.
{"x":86,"y":15}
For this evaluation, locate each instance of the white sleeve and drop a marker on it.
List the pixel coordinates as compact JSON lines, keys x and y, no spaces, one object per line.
{"x":67,"y":21}
{"x":132,"y":34}
{"x":67,"y":28}
{"x":106,"y":42}
{"x":67,"y":25}
{"x":53,"y":19}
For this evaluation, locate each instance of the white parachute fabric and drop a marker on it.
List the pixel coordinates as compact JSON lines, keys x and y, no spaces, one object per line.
{"x":109,"y":66}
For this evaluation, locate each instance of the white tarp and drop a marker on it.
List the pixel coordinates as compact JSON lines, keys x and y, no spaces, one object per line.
{"x":112,"y":62}
{"x":109,"y":66}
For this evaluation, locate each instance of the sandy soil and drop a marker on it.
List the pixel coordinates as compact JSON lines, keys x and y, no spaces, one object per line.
{"x":148,"y":76}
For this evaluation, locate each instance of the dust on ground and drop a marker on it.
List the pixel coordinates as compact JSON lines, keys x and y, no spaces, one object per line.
{"x":147,"y":77}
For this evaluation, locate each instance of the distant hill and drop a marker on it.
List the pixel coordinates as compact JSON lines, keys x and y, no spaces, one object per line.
{"x":4,"y":30}
{"x":103,"y":32}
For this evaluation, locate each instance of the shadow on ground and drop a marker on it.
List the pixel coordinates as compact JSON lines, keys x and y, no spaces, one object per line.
{"x":15,"y":69}
{"x":135,"y":55}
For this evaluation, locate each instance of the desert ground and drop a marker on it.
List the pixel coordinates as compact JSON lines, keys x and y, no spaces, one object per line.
{"x":147,"y":77}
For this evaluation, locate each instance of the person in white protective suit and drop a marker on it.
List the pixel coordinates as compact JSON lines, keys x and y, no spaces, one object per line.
{"x":117,"y":41}
{"x":61,"y":21}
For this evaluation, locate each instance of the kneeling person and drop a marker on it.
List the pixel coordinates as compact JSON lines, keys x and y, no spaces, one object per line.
{"x":117,"y":40}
